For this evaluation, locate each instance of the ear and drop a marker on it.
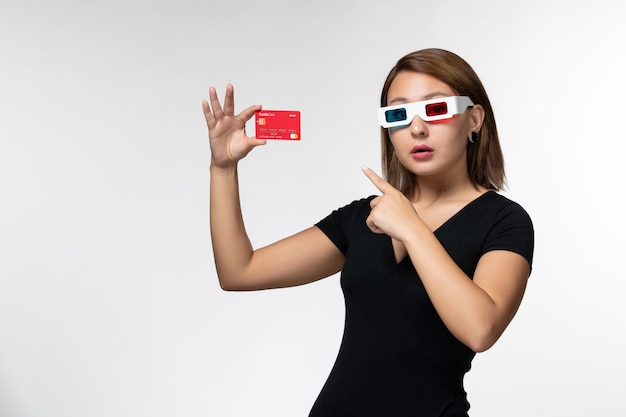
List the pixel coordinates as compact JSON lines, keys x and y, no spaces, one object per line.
{"x":477,"y":116}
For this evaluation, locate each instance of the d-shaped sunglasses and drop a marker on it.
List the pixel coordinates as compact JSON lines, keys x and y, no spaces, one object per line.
{"x":428,"y":110}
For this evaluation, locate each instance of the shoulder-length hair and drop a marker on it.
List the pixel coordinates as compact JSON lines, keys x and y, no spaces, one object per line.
{"x":485,"y":162}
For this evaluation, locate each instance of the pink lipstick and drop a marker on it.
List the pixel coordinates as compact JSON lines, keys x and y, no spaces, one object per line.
{"x":421,"y":152}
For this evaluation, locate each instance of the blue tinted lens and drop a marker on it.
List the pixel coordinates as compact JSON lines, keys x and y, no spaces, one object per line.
{"x":396,"y":115}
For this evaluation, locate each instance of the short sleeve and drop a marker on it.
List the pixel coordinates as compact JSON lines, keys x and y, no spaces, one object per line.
{"x":512,"y":231}
{"x":338,"y":224}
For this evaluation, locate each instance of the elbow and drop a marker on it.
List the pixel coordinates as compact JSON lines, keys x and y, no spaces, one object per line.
{"x":229,"y":286}
{"x":226,"y":284}
{"x":480,"y":345}
{"x":229,"y":280}
{"x":226,"y":287}
{"x":483,"y":340}
{"x":234,"y":282}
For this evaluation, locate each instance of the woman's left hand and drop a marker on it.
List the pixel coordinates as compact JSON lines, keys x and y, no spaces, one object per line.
{"x":391,"y":212}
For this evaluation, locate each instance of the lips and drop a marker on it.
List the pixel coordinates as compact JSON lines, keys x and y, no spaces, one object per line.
{"x":421,"y":151}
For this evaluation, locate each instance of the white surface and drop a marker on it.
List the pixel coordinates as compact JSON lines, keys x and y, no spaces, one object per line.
{"x":109,"y":304}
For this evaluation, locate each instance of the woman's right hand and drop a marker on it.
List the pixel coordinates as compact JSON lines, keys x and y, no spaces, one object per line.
{"x":227,"y":135}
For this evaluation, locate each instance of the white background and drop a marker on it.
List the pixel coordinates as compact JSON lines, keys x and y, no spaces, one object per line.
{"x":109,"y":303}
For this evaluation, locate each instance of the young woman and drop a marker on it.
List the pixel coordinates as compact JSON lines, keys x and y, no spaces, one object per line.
{"x":432,"y":270}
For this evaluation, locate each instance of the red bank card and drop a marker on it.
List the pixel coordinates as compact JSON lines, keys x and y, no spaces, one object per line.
{"x":277,"y":124}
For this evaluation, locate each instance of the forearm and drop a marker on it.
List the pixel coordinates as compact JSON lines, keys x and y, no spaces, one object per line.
{"x":466,"y":309}
{"x":232,"y":249}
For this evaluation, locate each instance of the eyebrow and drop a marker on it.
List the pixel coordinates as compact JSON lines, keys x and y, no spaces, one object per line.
{"x":426,"y":97}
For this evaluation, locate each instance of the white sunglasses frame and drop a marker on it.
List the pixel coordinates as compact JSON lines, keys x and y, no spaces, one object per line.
{"x":455,"y":104}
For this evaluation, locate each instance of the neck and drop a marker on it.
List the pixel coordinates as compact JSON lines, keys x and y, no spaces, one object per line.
{"x":430,"y":189}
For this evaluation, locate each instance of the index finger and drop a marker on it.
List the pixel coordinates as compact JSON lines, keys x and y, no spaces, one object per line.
{"x":382,"y":185}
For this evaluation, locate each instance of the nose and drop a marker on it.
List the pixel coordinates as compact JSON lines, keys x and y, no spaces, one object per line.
{"x":419,"y":128}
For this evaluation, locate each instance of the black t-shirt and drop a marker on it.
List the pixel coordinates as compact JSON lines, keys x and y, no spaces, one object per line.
{"x":397,"y":358}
